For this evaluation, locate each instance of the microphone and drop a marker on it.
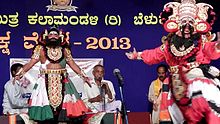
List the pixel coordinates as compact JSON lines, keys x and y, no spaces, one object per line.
{"x":117,"y":73}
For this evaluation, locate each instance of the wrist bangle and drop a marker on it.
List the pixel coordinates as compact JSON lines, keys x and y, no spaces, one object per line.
{"x":135,"y":55}
{"x":139,"y":55}
{"x":216,"y":47}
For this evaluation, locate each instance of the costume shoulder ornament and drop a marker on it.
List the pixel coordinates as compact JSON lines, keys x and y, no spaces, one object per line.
{"x":208,"y":37}
{"x":68,"y":55}
{"x":36,"y":52}
{"x":163,"y":40}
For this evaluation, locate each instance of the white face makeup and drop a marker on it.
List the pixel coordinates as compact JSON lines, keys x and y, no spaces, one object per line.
{"x":53,"y":34}
{"x":62,"y":2}
{"x":187,"y":20}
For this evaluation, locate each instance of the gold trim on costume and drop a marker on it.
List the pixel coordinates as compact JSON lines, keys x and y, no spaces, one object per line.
{"x":36,"y":53}
{"x":182,"y":52}
{"x":175,"y":69}
{"x":54,"y":53}
{"x":68,"y":55}
{"x":55,"y":90}
{"x":52,"y":71}
{"x":162,"y":47}
{"x":54,"y":85}
{"x":178,"y":87}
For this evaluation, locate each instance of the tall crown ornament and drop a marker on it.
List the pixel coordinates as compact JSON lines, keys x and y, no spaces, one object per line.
{"x":187,"y":10}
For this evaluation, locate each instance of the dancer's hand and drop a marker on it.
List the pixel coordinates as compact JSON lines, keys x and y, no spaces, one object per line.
{"x":87,"y":80}
{"x":218,"y":46}
{"x":132,"y":55}
{"x":218,"y":40}
{"x":84,"y":77}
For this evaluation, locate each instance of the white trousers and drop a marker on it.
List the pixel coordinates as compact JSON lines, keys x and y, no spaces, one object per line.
{"x":109,"y":107}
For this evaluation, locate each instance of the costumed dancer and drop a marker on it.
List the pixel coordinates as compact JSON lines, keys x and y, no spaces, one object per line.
{"x":54,"y":96}
{"x":190,"y":92}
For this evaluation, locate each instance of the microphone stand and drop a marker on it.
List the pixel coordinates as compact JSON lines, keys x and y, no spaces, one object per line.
{"x":103,"y":95}
{"x":124,"y":111}
{"x":102,"y":92}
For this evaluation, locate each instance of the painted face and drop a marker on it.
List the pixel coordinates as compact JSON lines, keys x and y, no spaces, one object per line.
{"x":62,"y":2}
{"x":161,"y":73}
{"x":53,"y":39}
{"x":187,"y":26}
{"x":187,"y":22}
{"x":53,"y":35}
{"x":98,"y":73}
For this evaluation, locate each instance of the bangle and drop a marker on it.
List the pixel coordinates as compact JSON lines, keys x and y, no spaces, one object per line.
{"x":217,"y":47}
{"x":139,"y":55}
{"x":134,"y":55}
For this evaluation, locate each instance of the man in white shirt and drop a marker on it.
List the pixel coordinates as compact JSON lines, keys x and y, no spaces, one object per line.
{"x":17,"y":92}
{"x":101,"y":95}
{"x":154,"y":94}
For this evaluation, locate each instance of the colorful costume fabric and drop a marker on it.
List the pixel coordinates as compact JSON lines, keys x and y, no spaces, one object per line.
{"x":54,"y":96}
{"x":188,"y":49}
{"x":53,"y":92}
{"x":194,"y":92}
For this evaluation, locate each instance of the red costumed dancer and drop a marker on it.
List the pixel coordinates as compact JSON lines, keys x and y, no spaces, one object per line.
{"x":190,"y":93}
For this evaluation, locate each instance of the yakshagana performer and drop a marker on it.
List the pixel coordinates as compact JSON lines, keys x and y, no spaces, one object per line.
{"x":54,"y":96}
{"x":188,"y":50}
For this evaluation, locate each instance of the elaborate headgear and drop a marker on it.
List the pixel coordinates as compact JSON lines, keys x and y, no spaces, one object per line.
{"x":186,"y":10}
{"x":64,"y":36}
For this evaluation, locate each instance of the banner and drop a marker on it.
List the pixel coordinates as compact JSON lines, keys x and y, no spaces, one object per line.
{"x":105,"y":29}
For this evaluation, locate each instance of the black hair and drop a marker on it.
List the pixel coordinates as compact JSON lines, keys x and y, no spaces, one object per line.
{"x":54,"y":29}
{"x":165,"y":14}
{"x":98,"y":66}
{"x":212,"y":16}
{"x":164,"y":66}
{"x":14,"y":68}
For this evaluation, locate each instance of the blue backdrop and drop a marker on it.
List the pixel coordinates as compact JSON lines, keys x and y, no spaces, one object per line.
{"x":116,"y":31}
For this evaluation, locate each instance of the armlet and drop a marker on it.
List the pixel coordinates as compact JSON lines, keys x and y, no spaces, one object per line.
{"x":36,"y":52}
{"x":68,"y":55}
{"x":162,"y":47}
